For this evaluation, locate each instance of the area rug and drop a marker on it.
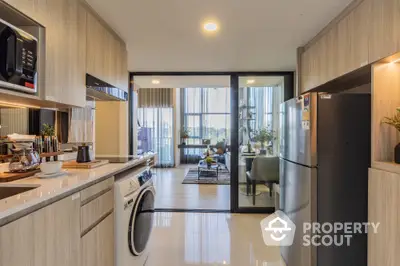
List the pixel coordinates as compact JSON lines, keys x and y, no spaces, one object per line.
{"x":224,"y":178}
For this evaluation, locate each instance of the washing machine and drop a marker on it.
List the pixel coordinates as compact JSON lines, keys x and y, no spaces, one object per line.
{"x":134,"y":214}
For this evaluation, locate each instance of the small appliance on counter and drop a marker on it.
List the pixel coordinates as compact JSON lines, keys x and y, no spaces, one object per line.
{"x":83,"y":154}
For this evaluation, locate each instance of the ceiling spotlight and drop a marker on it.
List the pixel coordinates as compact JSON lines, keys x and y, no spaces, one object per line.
{"x":210,"y":26}
{"x":250,"y":81}
{"x":155,"y":81}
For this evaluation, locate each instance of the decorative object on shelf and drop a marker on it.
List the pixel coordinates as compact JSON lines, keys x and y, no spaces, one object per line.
{"x":184,"y":135}
{"x":264,"y":135}
{"x":395,"y":122}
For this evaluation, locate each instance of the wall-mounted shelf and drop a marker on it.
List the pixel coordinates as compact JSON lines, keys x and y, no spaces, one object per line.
{"x":391,"y":167}
{"x":385,"y":100}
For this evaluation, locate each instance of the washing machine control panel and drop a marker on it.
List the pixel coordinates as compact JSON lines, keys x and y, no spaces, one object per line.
{"x":145,"y":176}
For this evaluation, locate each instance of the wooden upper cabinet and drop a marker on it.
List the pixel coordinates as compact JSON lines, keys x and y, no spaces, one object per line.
{"x":94,"y":58}
{"x":384,"y":28}
{"x":360,"y":23}
{"x":65,"y":46}
{"x":331,"y":62}
{"x":105,"y":52}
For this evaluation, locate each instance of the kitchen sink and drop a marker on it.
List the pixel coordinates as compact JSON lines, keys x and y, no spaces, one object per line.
{"x":9,"y":191}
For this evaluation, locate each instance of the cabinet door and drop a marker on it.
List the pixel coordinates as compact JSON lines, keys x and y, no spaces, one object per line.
{"x":383,"y":30}
{"x":94,"y":51}
{"x":97,"y":246}
{"x":123,"y":76}
{"x":383,"y":198}
{"x":359,"y":28}
{"x":305,"y":72}
{"x":47,"y":237}
{"x":56,"y":231}
{"x":344,"y":40}
{"x":332,"y":53}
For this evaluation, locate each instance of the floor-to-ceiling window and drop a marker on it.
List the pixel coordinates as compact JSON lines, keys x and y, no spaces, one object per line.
{"x":207,"y":114}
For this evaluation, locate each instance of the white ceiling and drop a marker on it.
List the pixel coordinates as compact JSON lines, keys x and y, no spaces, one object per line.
{"x":254,"y":35}
{"x":202,"y":81}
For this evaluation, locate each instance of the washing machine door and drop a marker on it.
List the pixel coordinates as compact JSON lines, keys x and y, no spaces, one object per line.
{"x":141,"y":222}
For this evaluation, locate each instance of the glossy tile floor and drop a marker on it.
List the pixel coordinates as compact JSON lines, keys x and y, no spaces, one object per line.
{"x":180,"y":239}
{"x":172,"y":194}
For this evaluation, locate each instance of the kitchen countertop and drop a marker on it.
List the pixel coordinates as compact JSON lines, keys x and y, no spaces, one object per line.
{"x":52,"y":190}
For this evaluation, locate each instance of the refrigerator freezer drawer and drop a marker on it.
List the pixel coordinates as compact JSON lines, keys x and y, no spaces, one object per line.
{"x":298,"y":186}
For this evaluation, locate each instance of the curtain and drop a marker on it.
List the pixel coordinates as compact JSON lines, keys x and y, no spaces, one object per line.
{"x":81,"y":124}
{"x":156,"y":134}
{"x":155,"y":97}
{"x":14,"y":120}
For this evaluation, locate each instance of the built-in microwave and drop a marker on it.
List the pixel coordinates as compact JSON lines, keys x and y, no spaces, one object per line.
{"x":18,"y":56}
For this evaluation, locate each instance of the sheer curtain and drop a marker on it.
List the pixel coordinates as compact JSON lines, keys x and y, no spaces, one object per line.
{"x":266,"y":102}
{"x":156,"y":124}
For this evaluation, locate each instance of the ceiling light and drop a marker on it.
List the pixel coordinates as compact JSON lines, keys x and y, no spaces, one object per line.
{"x":250,"y":81}
{"x":155,"y":81}
{"x":210,"y":26}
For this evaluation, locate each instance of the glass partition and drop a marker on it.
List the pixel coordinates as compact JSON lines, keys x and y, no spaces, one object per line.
{"x":258,"y":156}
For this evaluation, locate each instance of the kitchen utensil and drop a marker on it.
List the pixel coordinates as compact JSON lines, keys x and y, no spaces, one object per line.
{"x":23,"y":160}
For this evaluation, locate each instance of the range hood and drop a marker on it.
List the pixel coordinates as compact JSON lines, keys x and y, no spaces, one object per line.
{"x":102,"y":91}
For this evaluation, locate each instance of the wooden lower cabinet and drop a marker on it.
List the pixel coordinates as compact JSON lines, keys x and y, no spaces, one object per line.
{"x":383,"y":200}
{"x":47,"y":237}
{"x":97,"y":246}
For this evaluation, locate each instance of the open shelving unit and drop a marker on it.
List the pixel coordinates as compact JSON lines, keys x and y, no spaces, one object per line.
{"x":385,"y":100}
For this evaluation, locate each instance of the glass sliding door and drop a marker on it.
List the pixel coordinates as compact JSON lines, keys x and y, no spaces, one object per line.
{"x":259,"y":98}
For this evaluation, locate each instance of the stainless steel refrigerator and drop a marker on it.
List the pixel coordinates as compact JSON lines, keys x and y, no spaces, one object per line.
{"x":324,"y":159}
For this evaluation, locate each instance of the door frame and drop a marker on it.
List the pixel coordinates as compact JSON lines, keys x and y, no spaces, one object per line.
{"x":289,"y":92}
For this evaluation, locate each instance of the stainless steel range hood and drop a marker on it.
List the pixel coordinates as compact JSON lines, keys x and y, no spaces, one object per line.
{"x":101,"y":91}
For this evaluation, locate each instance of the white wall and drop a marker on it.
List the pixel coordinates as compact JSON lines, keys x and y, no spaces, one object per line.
{"x":111,"y":125}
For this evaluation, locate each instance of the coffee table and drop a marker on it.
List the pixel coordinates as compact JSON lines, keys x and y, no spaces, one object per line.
{"x":203,"y":170}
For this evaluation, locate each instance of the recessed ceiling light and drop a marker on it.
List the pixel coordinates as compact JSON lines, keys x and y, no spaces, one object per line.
{"x":155,"y":81}
{"x":250,"y":81}
{"x":210,"y":26}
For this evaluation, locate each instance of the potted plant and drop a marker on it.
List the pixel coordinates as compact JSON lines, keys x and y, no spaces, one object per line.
{"x":184,"y":135}
{"x":48,"y":130}
{"x":395,"y":122}
{"x":264,"y":135}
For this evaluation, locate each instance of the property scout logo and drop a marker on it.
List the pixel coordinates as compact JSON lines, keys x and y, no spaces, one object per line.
{"x":278,"y":230}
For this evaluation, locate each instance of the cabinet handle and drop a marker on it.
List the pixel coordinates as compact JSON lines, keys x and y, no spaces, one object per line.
{"x":76,"y":196}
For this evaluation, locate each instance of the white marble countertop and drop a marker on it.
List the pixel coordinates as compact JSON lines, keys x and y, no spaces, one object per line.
{"x":52,"y":190}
